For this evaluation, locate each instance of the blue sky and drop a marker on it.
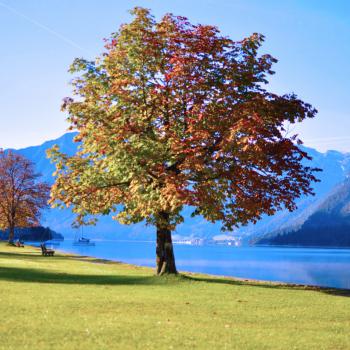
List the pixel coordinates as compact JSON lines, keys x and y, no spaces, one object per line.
{"x":39,"y":39}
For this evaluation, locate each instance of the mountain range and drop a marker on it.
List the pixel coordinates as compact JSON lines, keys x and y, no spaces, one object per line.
{"x":328,"y":225}
{"x":335,"y":165}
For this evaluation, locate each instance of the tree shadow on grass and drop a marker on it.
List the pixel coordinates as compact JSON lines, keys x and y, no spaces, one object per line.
{"x":272,"y":285}
{"x":38,"y":257}
{"x":45,"y":276}
{"x":15,"y":274}
{"x":33,"y":255}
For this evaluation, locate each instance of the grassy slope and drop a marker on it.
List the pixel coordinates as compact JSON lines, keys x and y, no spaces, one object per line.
{"x":67,"y":302}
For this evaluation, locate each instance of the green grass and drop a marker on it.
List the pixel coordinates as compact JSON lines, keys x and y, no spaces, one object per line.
{"x":71,"y":302}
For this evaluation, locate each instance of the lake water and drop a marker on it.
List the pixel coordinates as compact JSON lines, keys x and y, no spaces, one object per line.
{"x":314,"y":266}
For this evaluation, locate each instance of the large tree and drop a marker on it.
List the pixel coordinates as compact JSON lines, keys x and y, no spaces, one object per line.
{"x":175,"y":114}
{"x":22,"y":196}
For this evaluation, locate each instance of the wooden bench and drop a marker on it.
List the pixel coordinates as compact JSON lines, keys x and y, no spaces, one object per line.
{"x":45,"y":251}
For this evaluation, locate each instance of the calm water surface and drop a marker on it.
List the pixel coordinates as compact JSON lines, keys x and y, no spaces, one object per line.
{"x":315,"y":266}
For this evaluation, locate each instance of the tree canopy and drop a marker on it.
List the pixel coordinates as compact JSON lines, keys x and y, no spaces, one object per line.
{"x":22,"y":196}
{"x":175,"y":114}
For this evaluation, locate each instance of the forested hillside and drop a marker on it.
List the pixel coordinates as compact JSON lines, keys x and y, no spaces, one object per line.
{"x":329,"y":224}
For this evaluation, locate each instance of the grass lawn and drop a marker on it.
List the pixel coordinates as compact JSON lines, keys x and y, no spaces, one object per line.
{"x":71,"y":302}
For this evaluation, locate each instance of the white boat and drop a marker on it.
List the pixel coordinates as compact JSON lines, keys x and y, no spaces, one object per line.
{"x":83,"y":241}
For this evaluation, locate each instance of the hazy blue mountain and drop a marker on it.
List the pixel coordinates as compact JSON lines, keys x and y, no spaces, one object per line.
{"x":328,"y":225}
{"x":335,"y":167}
{"x":37,"y":154}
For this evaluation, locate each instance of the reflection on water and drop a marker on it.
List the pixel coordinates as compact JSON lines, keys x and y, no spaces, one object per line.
{"x":323,"y":267}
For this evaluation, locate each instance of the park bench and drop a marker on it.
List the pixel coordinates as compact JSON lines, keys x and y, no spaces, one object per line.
{"x":45,"y":251}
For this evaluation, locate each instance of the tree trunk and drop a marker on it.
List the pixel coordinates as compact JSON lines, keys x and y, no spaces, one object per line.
{"x":164,"y":251}
{"x":11,"y":234}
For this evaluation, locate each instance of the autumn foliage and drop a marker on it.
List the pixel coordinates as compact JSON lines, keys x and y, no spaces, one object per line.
{"x":175,"y":114}
{"x":22,"y":196}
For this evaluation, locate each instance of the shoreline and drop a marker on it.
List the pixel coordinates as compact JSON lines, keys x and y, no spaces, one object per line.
{"x":232,"y":279}
{"x":203,"y":276}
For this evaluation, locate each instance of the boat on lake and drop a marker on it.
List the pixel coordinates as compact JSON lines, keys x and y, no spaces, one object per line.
{"x":82,"y":241}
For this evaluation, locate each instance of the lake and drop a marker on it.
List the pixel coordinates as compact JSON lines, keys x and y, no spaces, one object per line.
{"x":314,"y":266}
